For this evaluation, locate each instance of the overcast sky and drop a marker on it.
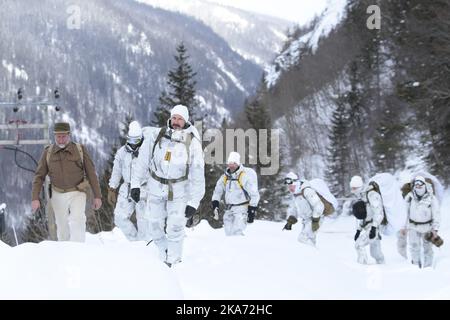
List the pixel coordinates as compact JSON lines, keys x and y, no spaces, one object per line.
{"x":298,"y":11}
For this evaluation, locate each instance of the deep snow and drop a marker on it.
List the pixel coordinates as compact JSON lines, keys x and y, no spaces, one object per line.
{"x":266,"y":263}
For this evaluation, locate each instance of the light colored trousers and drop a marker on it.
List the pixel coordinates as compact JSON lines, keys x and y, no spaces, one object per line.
{"x":235,"y":220}
{"x":167,"y":223}
{"x":375,"y":247}
{"x":70,"y":215}
{"x":307,"y":236}
{"x":416,"y":243}
{"x":122,"y":213}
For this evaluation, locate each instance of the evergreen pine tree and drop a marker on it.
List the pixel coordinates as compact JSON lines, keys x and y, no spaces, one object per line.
{"x":213,"y":172}
{"x":181,"y":89}
{"x":388,"y":146}
{"x":339,"y":160}
{"x":271,"y":187}
{"x":425,"y":86}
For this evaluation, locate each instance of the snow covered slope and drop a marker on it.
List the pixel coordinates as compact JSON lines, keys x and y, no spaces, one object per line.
{"x":254,"y":36}
{"x":332,"y":16}
{"x":106,"y":267}
{"x":267,"y":263}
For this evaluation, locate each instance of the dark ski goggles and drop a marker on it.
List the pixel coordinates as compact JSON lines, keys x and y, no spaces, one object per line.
{"x":289,"y":180}
{"x":419,"y":183}
{"x":134,"y":140}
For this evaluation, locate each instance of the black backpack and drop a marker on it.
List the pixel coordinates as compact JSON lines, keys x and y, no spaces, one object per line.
{"x":359,"y":210}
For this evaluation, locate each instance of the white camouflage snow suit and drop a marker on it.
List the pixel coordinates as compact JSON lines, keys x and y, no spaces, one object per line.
{"x":423,"y":217}
{"x":125,"y":167}
{"x":374,"y":218}
{"x":241,"y":191}
{"x":305,"y":208}
{"x":177,"y":179}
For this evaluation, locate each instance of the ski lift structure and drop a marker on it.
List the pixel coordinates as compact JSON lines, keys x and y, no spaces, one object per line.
{"x":17,"y":125}
{"x":47,"y":106}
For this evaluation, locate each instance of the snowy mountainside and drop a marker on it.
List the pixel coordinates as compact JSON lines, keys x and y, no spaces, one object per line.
{"x":330,"y":18}
{"x":114,"y":64}
{"x":254,"y":36}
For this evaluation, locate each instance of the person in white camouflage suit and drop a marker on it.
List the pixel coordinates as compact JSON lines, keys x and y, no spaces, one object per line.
{"x":368,"y":210}
{"x":306,"y":206}
{"x":239,"y":185}
{"x":124,"y":167}
{"x":422,"y":222}
{"x":174,"y":157}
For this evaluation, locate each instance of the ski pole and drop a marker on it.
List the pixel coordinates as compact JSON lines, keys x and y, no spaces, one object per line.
{"x":15,"y":235}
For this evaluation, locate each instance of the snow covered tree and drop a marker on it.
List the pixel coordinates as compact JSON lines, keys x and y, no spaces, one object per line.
{"x":339,"y":158}
{"x":388,"y":149}
{"x":213,"y":171}
{"x":425,"y":86}
{"x":271,"y":187}
{"x":181,"y":89}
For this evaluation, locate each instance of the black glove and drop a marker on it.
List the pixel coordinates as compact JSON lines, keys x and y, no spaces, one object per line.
{"x":190,"y":222}
{"x":215,"y":204}
{"x":189,"y":212}
{"x":357,"y":234}
{"x":373,"y":232}
{"x":251,"y":214}
{"x":290,"y":221}
{"x":288,"y":226}
{"x":136,"y":194}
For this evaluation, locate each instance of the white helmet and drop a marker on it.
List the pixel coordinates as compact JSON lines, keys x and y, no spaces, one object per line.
{"x":356,"y":182}
{"x":134,"y":137}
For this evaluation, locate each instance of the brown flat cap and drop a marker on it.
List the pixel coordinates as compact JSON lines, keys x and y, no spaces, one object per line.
{"x":62,"y":127}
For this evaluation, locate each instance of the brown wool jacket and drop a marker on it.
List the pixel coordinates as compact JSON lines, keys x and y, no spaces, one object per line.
{"x":65,"y":170}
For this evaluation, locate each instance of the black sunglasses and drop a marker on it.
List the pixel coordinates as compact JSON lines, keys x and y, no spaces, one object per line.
{"x":289,"y":180}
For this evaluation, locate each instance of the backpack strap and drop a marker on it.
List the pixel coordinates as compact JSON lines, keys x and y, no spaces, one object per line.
{"x":161,"y":134}
{"x":80,"y":152}
{"x":302,"y":193}
{"x":49,"y":152}
{"x":169,"y":182}
{"x":239,"y":181}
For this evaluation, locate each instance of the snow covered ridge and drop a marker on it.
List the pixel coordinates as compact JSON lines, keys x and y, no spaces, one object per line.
{"x":267,"y":263}
{"x":332,"y":16}
{"x":254,"y":36}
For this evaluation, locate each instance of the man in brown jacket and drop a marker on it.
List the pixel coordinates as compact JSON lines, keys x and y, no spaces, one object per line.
{"x":68,"y":169}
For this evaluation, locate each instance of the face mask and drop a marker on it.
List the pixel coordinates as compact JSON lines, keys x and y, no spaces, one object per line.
{"x":420,"y":191}
{"x":177,"y":135}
